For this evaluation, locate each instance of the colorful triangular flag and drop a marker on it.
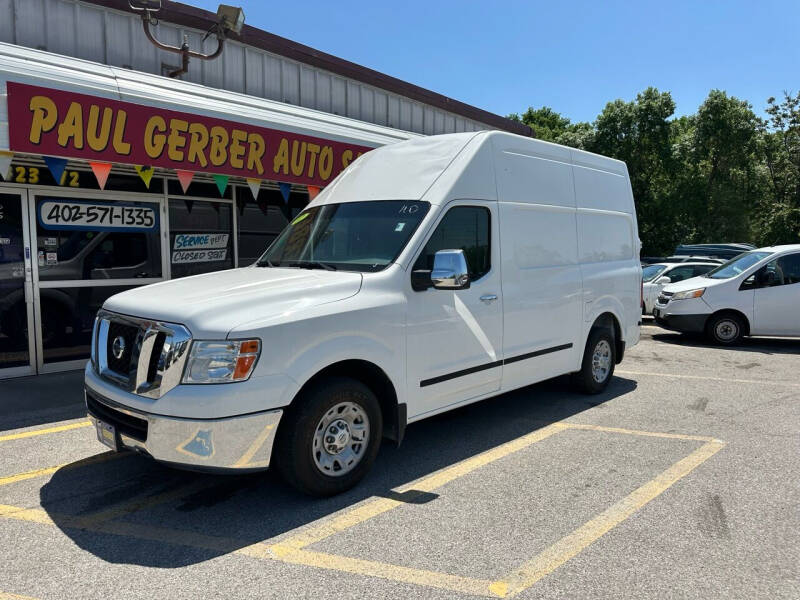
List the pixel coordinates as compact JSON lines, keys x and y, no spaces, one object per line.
{"x":222,"y":183}
{"x":255,"y":186}
{"x":286,"y":189}
{"x":56,"y":166}
{"x":313,"y":190}
{"x":146,"y":173}
{"x":5,"y":163}
{"x":101,"y":171}
{"x":185,"y":177}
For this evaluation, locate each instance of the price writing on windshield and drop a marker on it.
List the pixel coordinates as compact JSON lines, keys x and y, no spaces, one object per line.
{"x":96,"y":216}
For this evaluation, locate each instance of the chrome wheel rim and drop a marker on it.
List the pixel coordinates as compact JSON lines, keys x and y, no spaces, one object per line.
{"x":726,"y":330}
{"x":601,"y":361}
{"x":340,"y":439}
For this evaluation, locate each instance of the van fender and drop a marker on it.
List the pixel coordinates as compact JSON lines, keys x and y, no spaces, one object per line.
{"x":604,"y":304}
{"x":317,"y":358}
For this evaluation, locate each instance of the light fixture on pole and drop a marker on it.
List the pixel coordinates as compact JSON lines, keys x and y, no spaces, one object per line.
{"x":229,"y":19}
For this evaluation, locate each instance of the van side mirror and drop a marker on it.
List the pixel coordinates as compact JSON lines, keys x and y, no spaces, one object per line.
{"x":450,"y":270}
{"x":663,"y":280}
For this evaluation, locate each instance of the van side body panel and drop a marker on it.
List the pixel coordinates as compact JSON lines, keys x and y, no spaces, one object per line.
{"x":608,"y":242}
{"x":538,"y":247}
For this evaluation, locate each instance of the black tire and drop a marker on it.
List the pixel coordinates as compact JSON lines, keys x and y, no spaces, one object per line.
{"x":601,"y":340}
{"x":294,"y":455}
{"x":726,"y":329}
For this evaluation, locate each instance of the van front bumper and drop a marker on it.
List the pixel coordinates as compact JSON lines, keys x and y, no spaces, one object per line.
{"x":682,"y":323}
{"x":233,"y":443}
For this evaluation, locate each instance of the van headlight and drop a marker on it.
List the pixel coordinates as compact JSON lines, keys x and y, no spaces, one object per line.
{"x":222,"y":361}
{"x":689,"y":294}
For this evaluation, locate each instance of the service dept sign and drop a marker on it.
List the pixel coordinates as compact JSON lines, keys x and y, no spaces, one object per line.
{"x":58,"y":123}
{"x":199,"y":247}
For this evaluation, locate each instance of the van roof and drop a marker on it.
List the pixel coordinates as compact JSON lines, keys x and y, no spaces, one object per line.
{"x":395,"y":171}
{"x":782,"y":248}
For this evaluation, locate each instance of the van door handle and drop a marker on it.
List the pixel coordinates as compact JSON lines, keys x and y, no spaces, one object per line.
{"x":488,"y":298}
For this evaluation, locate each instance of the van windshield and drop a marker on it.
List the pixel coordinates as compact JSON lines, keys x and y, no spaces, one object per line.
{"x":737,"y":265}
{"x":351,"y":236}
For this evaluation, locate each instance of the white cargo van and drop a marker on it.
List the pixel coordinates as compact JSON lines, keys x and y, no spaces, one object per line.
{"x":755,"y":293}
{"x":430,"y":274}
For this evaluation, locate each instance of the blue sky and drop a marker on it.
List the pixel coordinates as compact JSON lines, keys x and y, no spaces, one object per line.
{"x":573,"y":56}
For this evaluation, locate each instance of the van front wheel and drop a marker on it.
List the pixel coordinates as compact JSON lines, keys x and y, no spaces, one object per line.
{"x":599,"y":359}
{"x":331,"y":437}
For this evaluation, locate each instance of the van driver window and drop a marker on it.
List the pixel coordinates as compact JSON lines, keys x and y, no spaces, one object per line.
{"x":465,"y":228}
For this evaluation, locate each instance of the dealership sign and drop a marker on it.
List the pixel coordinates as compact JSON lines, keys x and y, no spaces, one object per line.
{"x":58,"y":123}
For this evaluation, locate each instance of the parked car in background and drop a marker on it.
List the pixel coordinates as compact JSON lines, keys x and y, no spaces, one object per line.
{"x":724,"y":251}
{"x":652,"y":260}
{"x":756,"y":293}
{"x":655,"y":277}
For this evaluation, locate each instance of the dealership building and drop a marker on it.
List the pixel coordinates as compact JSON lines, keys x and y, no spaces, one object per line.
{"x":119,"y":170}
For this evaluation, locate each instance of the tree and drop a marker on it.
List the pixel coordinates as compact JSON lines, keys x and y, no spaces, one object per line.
{"x":550,"y":126}
{"x":778,"y":217}
{"x":724,"y":164}
{"x":638,"y":133}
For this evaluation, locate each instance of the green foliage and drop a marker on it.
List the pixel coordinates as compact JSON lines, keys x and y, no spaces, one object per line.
{"x":720,"y":175}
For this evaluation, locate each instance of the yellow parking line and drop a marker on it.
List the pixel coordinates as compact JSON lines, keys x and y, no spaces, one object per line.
{"x":35,"y":432}
{"x":676,"y":436}
{"x":99,"y":458}
{"x":707,"y":378}
{"x":381,"y":505}
{"x":455,"y":583}
{"x":7,"y":596}
{"x":292,"y":549}
{"x":139,"y":503}
{"x":20,"y":513}
{"x":567,"y":547}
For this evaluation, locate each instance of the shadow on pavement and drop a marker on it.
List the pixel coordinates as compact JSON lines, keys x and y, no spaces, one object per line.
{"x":41,"y":399}
{"x":763,"y":345}
{"x":245,"y":509}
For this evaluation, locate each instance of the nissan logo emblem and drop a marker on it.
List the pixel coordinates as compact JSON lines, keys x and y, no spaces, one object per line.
{"x":118,"y":347}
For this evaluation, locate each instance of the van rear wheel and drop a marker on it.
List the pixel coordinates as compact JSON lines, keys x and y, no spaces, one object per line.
{"x":599,"y":359}
{"x":331,"y":438}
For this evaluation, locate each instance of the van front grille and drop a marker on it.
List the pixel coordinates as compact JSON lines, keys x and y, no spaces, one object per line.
{"x":127,"y":334}
{"x":139,"y":355}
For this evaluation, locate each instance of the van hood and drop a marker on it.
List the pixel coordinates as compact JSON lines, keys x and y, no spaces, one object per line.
{"x":213,"y":304}
{"x":693,"y":283}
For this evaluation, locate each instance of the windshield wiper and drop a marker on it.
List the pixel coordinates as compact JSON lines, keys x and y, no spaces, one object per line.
{"x":313,"y":264}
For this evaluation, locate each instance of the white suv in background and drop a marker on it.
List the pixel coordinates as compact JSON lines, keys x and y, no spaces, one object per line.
{"x":756,"y":293}
{"x":656,"y":276}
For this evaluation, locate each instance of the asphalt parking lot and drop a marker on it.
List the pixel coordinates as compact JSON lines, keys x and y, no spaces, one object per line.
{"x":681,"y":480}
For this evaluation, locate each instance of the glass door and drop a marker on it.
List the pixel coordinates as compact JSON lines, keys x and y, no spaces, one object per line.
{"x":17,"y":348}
{"x":87,"y":246}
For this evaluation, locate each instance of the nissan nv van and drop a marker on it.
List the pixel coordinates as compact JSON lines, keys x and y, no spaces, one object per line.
{"x":430,"y":274}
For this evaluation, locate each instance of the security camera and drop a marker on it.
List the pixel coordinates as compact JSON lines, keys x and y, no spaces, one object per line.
{"x":148,"y":5}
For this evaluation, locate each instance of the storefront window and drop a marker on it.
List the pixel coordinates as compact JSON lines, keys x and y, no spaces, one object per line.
{"x":261,"y":221}
{"x":200,"y":237}
{"x":13,"y":310}
{"x":79,"y":240}
{"x":67,"y":318}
